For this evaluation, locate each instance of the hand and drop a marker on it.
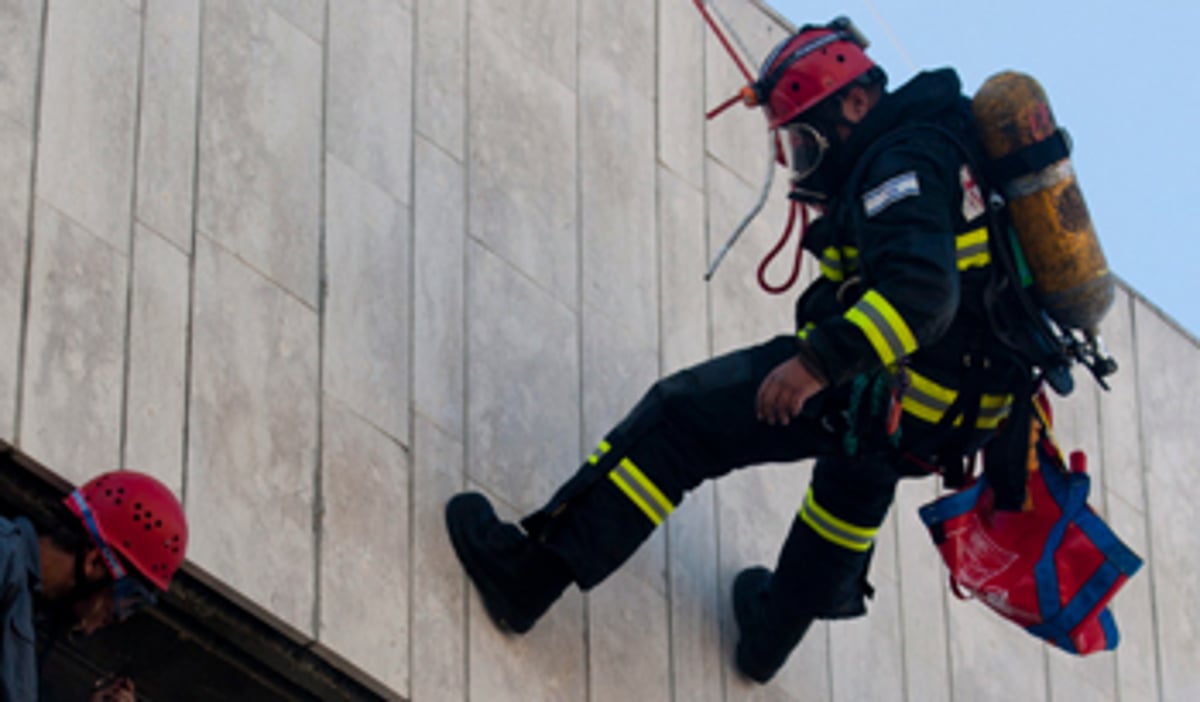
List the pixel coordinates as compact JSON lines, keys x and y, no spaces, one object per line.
{"x":784,"y":391}
{"x":119,"y":690}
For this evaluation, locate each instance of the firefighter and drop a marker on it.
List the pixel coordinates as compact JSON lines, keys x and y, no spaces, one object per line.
{"x":893,"y":368}
{"x":117,"y":542}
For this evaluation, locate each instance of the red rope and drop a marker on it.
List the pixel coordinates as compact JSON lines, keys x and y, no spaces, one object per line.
{"x":787,"y":234}
{"x":724,"y":42}
{"x":724,"y":106}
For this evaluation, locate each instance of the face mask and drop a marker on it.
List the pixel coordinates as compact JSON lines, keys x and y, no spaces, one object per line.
{"x":808,"y":155}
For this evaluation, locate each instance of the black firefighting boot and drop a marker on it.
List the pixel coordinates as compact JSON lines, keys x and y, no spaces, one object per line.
{"x":517,"y":577}
{"x":767,"y":634}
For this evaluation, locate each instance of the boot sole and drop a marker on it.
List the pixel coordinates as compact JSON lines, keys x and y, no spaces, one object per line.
{"x":499,"y":612}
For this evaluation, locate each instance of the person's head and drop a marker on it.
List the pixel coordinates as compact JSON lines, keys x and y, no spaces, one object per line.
{"x":121,"y":538}
{"x":816,"y":86}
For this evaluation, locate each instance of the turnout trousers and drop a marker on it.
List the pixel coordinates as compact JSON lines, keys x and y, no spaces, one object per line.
{"x":700,"y":423}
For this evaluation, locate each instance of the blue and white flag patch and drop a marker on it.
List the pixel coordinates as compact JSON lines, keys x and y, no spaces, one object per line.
{"x":891,"y":191}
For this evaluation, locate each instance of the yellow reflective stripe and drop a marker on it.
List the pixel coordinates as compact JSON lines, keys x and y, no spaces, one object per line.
{"x":994,"y":409}
{"x":604,"y":448}
{"x":837,"y":262}
{"x":883,"y":326}
{"x":635,"y":497}
{"x":972,"y":249}
{"x":834,"y":530}
{"x":643,"y":493}
{"x":803,"y":333}
{"x":928,"y":400}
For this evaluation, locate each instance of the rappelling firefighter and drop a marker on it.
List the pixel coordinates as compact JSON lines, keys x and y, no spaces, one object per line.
{"x":893,"y":369}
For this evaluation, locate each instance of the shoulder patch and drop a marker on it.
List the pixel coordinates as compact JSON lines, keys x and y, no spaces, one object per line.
{"x":972,"y":204}
{"x":891,"y":191}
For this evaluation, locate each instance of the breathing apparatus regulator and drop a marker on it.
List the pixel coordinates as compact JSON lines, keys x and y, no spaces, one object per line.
{"x":794,"y":81}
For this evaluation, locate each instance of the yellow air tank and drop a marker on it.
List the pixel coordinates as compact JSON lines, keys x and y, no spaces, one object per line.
{"x":1046,"y":207}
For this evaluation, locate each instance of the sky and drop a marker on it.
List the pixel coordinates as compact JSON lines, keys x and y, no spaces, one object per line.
{"x":1120,"y":77}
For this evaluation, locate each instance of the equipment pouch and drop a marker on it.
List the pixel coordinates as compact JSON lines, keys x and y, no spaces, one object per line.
{"x":1052,"y":568}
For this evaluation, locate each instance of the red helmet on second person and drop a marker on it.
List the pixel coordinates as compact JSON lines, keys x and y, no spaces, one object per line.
{"x":138,"y":517}
{"x":808,"y":67}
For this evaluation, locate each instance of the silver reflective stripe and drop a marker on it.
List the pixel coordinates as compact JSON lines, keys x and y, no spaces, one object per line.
{"x":994,"y":414}
{"x":925,"y":399}
{"x":640,"y":491}
{"x":834,"y":530}
{"x":1036,"y":182}
{"x":885,"y":329}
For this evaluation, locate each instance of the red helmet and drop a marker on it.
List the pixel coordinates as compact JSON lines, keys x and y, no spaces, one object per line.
{"x":808,"y":67}
{"x":136,"y":516}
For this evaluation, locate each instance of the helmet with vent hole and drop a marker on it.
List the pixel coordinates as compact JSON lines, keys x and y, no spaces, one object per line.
{"x":139,"y":518}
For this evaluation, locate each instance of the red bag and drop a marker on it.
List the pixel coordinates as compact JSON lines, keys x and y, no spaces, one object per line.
{"x":1051,"y":568}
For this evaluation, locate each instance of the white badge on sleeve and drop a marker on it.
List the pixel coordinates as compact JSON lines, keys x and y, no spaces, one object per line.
{"x":891,"y":191}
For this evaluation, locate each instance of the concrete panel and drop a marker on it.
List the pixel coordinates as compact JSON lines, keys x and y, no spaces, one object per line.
{"x":364,"y":605}
{"x":367,"y":345}
{"x":20,"y":40}
{"x":522,"y":167}
{"x":1075,"y":678}
{"x":307,"y":15}
{"x":369,"y":99}
{"x":1120,"y":437}
{"x":866,"y":654}
{"x":991,"y":659}
{"x":260,"y":142}
{"x":629,"y":651}
{"x":696,"y":654}
{"x":547,"y":664}
{"x":167,"y":131}
{"x":16,"y":167}
{"x":439,"y":584}
{"x":74,"y":360}
{"x":158,"y":338}
{"x":683,"y":294}
{"x":742,"y":314}
{"x":617,"y":175}
{"x":253,"y":434}
{"x":738,"y":138}
{"x":1133,"y":607}
{"x":681,"y":90}
{"x":621,"y":35}
{"x":522,"y":384}
{"x":1175,"y":548}
{"x":755,"y":510}
{"x":439,"y":289}
{"x":1169,"y":398}
{"x":441,"y":82}
{"x":547,"y":31}
{"x":922,"y":580}
{"x":89,"y":115}
{"x":618,"y":368}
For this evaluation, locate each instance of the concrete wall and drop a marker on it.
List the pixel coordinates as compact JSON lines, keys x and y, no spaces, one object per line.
{"x":319,"y":265}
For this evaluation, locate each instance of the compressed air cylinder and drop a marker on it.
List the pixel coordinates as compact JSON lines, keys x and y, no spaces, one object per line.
{"x":1046,"y":207}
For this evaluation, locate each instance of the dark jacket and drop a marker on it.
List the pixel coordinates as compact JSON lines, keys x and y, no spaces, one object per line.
{"x":20,"y":578}
{"x":904,"y":256}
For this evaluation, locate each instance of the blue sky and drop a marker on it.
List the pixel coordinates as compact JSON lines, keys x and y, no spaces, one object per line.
{"x":1120,"y":77}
